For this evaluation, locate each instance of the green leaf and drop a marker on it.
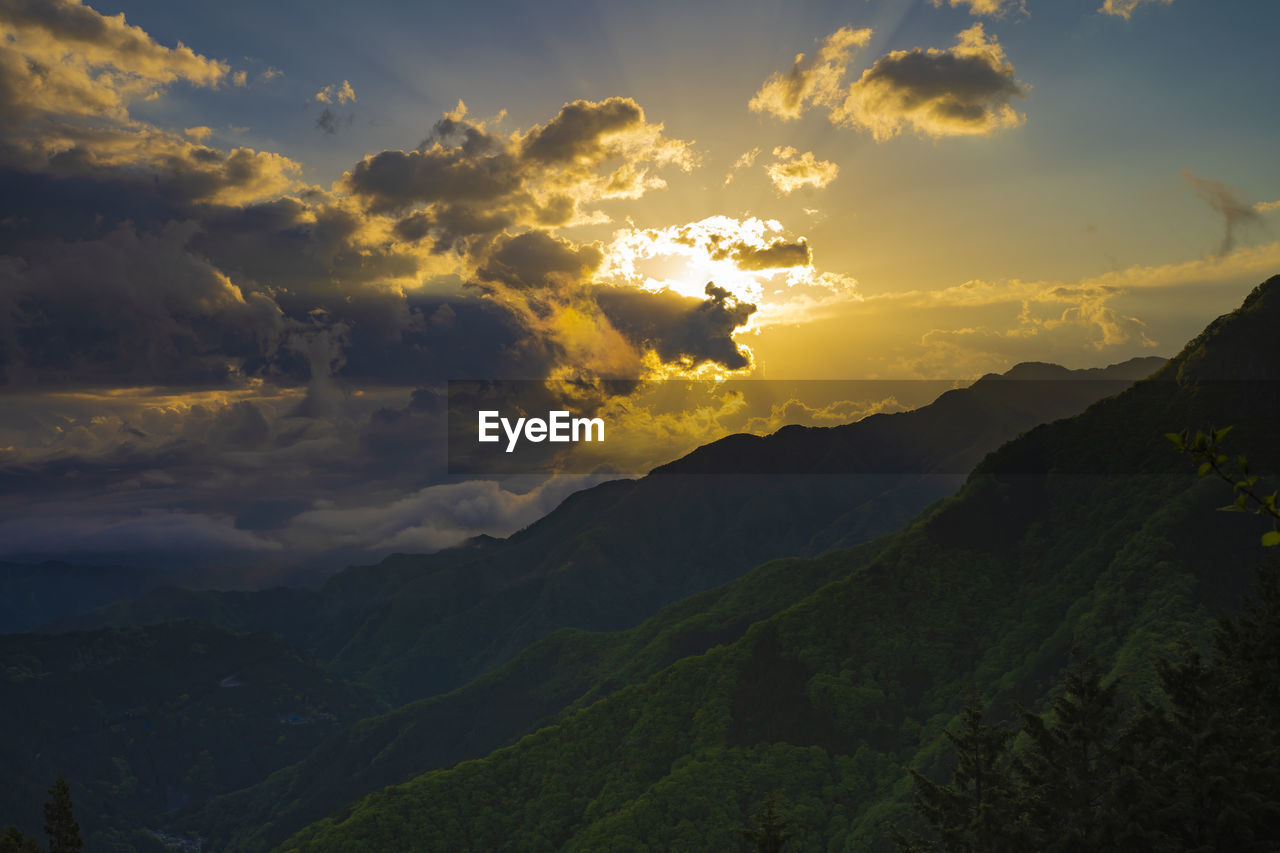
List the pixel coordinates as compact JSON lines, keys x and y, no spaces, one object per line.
{"x":1271,"y":538}
{"x":1204,"y":468}
{"x":1177,"y":439}
{"x":1219,"y":434}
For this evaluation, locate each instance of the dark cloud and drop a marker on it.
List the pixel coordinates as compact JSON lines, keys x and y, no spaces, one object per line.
{"x":1223,"y":199}
{"x":394,"y":180}
{"x":537,"y":260}
{"x":129,"y":307}
{"x":182,"y":326}
{"x":579,"y":131}
{"x":680,"y":329}
{"x":963,"y":90}
{"x":465,"y":180}
{"x":777,"y":255}
{"x":329,"y":121}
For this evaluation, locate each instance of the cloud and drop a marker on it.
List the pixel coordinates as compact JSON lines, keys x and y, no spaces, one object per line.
{"x":1125,"y":8}
{"x":536,"y":260}
{"x":466,"y":180}
{"x":590,"y":330}
{"x":756,"y":260}
{"x":812,"y":81}
{"x":197,"y":329}
{"x":129,"y":307}
{"x":994,"y":8}
{"x":792,"y":171}
{"x":681,"y":330}
{"x":336,"y":94}
{"x":1223,"y":200}
{"x":436,"y":517}
{"x":780,"y":254}
{"x":329,"y":121}
{"x":63,"y":58}
{"x":173,"y":533}
{"x":745,"y":161}
{"x":965,"y":90}
{"x":67,"y":77}
{"x":795,"y":411}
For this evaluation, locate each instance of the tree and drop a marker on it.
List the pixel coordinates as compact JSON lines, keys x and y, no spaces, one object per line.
{"x":1071,"y":765}
{"x":15,"y":840}
{"x":1212,"y":756}
{"x":772,"y":830}
{"x":59,"y":820}
{"x":974,"y":812}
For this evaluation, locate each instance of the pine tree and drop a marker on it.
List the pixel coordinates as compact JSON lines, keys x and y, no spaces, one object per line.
{"x":15,"y":840}
{"x":1071,"y":765}
{"x":1211,"y":758}
{"x":975,"y":812}
{"x":59,"y":821}
{"x":772,"y":830}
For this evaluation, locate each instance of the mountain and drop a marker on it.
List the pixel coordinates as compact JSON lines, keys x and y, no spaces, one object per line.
{"x":144,"y":720}
{"x":32,"y":594}
{"x":611,"y":556}
{"x":1090,"y":532}
{"x":567,"y":670}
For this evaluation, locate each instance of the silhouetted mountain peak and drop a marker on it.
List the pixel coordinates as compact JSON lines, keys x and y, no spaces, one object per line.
{"x":1237,"y":346}
{"x":1131,"y":370}
{"x":949,"y":435}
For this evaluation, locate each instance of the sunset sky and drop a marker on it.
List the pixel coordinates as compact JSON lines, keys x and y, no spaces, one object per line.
{"x":242,"y":248}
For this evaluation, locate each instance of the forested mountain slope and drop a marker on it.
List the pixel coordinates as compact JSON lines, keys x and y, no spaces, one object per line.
{"x":1089,"y":532}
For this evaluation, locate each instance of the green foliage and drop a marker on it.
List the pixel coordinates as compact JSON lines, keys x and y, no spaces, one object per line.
{"x":972,"y":813}
{"x":1195,"y":768}
{"x":1206,"y":447}
{"x":14,"y":840}
{"x":557,"y":676}
{"x":771,"y":829}
{"x":60,"y":820}
{"x":145,"y":719}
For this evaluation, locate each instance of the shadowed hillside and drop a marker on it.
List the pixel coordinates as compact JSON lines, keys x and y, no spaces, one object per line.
{"x":1090,"y":531}
{"x":609,"y":557}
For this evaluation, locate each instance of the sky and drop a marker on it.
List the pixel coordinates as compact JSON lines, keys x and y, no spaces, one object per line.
{"x":244,"y":247}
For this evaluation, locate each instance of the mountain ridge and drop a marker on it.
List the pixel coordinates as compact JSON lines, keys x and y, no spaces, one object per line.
{"x":1088,"y":531}
{"x":611,"y":556}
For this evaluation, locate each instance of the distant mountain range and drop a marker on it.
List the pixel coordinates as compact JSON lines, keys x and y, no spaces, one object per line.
{"x":618,"y":583}
{"x":611,"y":556}
{"x":146,"y":720}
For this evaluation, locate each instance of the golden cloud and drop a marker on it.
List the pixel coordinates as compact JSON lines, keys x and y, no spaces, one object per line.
{"x":745,"y":161}
{"x":994,"y":8}
{"x":1125,"y":8}
{"x":64,"y":58}
{"x":336,"y":94}
{"x":964,"y":90}
{"x":792,"y":171}
{"x":811,"y":81}
{"x":468,"y":180}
